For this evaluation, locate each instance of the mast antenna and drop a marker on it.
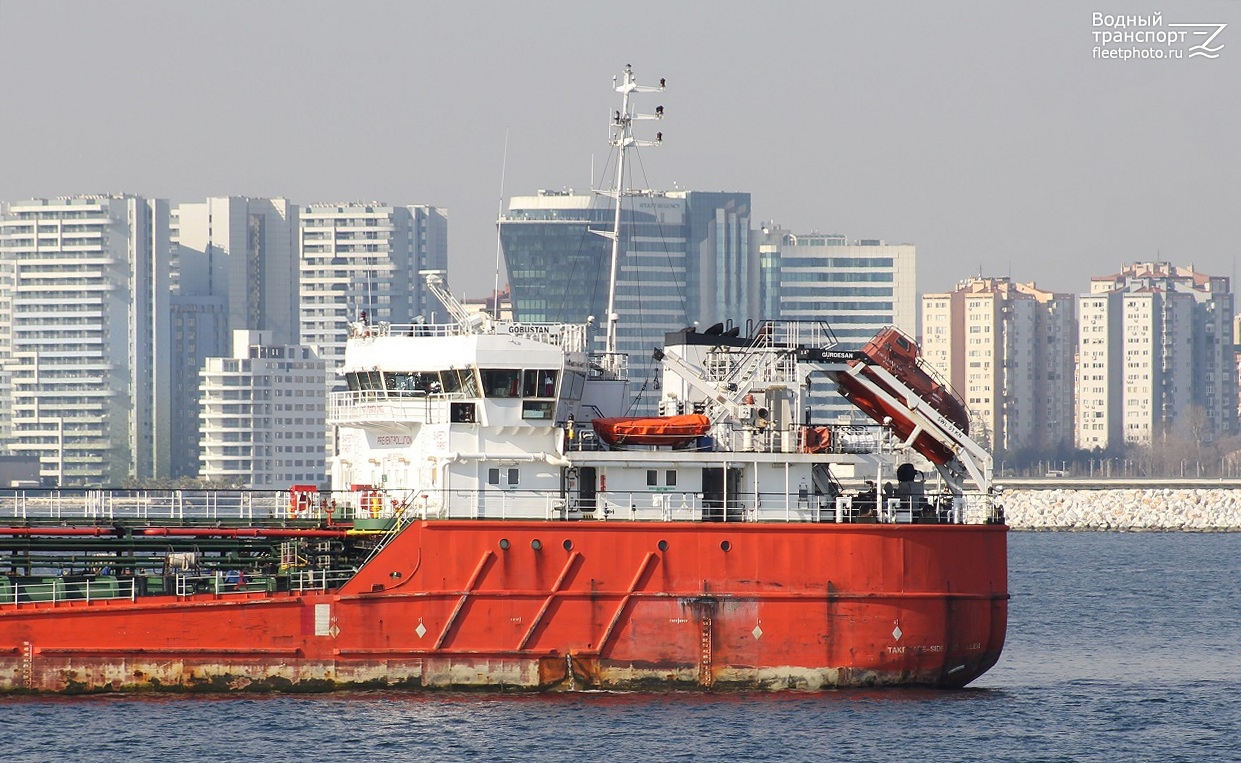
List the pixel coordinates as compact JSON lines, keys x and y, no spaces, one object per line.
{"x":500,"y":216}
{"x":623,"y":139}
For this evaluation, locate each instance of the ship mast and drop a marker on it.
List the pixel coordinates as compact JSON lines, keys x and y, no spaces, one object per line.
{"x":623,"y":139}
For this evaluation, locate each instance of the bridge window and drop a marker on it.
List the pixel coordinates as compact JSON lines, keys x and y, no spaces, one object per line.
{"x":459,"y":381}
{"x":500,"y":382}
{"x":539,"y":383}
{"x":575,"y":382}
{"x":365,"y":380}
{"x":407,"y":384}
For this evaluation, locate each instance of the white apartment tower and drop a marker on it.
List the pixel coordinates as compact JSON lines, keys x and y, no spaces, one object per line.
{"x":264,"y":415}
{"x":1155,"y":353}
{"x":234,"y":267}
{"x":244,"y":250}
{"x":365,"y":258}
{"x":1007,"y":349}
{"x":855,"y":288}
{"x":85,"y":367}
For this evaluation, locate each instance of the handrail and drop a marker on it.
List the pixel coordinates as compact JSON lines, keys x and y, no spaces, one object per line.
{"x":55,"y":590}
{"x":386,"y":512}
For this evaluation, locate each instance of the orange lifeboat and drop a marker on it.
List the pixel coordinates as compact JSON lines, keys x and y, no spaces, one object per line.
{"x":671,"y":431}
{"x":898,"y":354}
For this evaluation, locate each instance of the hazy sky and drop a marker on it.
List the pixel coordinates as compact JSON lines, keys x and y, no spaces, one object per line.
{"x":986,"y":133}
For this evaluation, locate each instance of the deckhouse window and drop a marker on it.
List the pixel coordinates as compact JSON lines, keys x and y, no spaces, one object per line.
{"x":537,"y":409}
{"x":512,"y":477}
{"x":500,"y":382}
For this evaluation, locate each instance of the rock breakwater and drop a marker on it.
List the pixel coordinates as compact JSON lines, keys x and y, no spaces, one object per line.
{"x":1168,"y":508}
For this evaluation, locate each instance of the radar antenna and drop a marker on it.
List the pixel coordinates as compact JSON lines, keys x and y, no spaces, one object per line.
{"x":623,"y":139}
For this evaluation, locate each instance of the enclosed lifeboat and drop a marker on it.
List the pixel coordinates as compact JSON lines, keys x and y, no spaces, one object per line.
{"x":898,"y":354}
{"x":669,"y":431}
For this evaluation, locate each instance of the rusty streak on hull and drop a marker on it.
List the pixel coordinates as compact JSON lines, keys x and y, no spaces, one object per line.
{"x":559,"y":606}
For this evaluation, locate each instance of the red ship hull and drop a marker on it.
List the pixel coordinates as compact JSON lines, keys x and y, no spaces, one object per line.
{"x":541,"y":606}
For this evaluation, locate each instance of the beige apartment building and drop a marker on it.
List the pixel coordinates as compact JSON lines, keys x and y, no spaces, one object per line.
{"x":1007,"y":349}
{"x":1155,"y":351}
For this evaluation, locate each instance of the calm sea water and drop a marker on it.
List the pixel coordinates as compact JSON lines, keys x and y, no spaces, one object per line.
{"x":1121,"y":647}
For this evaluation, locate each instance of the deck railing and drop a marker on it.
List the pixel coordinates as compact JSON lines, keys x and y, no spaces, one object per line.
{"x":55,"y":590}
{"x":379,"y":510}
{"x":178,"y":505}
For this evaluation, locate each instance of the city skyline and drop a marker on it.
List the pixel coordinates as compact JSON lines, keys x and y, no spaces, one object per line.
{"x":76,"y":270}
{"x":991,"y":137}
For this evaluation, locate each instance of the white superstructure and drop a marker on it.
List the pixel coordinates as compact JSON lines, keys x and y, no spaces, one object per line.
{"x":484,"y":417}
{"x":491,"y":418}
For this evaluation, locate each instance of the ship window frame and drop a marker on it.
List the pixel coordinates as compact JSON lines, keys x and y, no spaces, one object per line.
{"x":370,"y":381}
{"x":410,"y":383}
{"x":670,"y":477}
{"x":538,"y":410}
{"x":459,"y":381}
{"x":493,"y":476}
{"x":462,"y":413}
{"x":501,"y":383}
{"x":574,"y":385}
{"x":652,"y":478}
{"x":539,"y":382}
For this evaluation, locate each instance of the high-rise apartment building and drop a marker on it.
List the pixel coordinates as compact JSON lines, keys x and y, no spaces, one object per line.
{"x":235,"y":267}
{"x":853,"y":288}
{"x":684,"y":259}
{"x":1155,"y":352}
{"x":85,"y":366}
{"x":244,"y":250}
{"x":264,"y":413}
{"x":1007,"y":350}
{"x":360,"y":258}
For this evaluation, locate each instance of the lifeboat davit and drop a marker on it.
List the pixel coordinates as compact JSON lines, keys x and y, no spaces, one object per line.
{"x":898,"y":354}
{"x":670,"y":431}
